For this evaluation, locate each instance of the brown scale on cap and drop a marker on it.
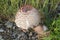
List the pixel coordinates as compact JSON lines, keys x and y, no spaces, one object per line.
{"x":26,"y":8}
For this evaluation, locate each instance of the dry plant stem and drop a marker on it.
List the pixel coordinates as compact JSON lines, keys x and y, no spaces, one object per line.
{"x":24,"y":30}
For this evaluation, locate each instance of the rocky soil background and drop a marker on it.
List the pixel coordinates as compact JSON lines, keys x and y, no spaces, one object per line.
{"x":9,"y":31}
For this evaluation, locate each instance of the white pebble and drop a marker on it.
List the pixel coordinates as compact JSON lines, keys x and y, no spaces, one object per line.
{"x":45,"y":28}
{"x":1,"y":30}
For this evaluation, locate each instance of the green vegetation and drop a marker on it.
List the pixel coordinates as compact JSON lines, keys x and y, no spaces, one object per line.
{"x":8,"y":9}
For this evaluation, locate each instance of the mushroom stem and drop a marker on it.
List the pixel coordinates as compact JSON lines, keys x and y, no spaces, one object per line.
{"x":39,"y":30}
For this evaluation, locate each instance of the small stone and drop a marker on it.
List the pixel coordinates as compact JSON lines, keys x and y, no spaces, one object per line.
{"x":9,"y":24}
{"x":0,"y":36}
{"x":1,"y":30}
{"x":14,"y":27}
{"x":1,"y":25}
{"x":30,"y":34}
{"x":45,"y":28}
{"x":1,"y":39}
{"x":33,"y":38}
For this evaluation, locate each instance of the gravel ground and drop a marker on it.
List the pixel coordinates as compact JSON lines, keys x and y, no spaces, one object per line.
{"x":9,"y":31}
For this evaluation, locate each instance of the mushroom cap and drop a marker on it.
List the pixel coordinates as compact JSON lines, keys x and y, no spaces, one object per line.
{"x":27,"y":19}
